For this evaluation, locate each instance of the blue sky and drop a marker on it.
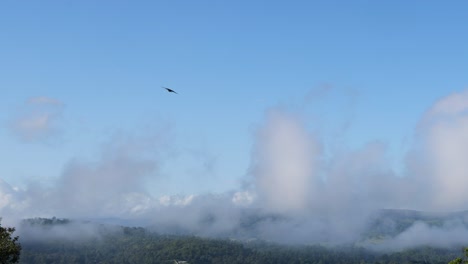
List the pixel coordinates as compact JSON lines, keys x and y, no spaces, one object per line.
{"x":356,"y":71}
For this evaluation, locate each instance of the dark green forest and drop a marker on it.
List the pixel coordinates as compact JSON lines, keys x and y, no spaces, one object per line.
{"x":116,"y":244}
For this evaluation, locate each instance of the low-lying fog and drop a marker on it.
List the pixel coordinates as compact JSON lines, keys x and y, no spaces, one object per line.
{"x":295,"y":191}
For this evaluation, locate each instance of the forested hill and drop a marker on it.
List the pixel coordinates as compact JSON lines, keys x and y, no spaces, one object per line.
{"x":96,"y":243}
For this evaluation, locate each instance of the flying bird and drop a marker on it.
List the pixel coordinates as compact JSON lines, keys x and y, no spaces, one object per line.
{"x":169,"y":90}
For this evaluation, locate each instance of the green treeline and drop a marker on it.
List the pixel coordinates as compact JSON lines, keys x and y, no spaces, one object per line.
{"x":137,"y":245}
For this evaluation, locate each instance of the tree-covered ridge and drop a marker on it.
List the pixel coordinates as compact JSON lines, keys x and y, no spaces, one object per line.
{"x":44,"y":222}
{"x":116,"y":244}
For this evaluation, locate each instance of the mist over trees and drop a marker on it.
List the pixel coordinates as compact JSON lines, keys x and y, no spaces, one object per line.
{"x":117,"y":244}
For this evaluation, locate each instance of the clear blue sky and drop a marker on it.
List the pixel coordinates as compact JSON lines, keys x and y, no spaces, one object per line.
{"x":385,"y":63}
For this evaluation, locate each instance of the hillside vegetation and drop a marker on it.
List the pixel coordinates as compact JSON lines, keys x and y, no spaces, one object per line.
{"x":98,"y":243}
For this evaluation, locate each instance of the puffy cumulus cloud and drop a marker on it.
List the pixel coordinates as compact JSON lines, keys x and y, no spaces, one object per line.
{"x":98,"y":188}
{"x":332,"y":197}
{"x":243,"y":198}
{"x":356,"y":184}
{"x":15,"y":203}
{"x":38,"y":119}
{"x":176,"y":200}
{"x":6,"y":194}
{"x":453,"y":104}
{"x":284,"y":162}
{"x":442,"y":165}
{"x":112,"y":185}
{"x":320,"y":198}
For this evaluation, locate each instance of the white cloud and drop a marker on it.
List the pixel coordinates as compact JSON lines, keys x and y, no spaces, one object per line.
{"x":38,"y":119}
{"x":284,"y":162}
{"x":298,"y":194}
{"x":243,"y":198}
{"x":443,"y":139}
{"x":176,"y":200}
{"x":6,"y":194}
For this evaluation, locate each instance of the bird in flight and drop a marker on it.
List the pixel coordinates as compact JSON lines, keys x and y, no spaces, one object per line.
{"x":169,"y":90}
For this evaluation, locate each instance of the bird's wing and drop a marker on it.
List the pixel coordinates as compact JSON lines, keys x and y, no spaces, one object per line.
{"x":169,"y":90}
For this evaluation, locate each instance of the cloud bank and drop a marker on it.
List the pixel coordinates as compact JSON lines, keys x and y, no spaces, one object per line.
{"x":296,"y":193}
